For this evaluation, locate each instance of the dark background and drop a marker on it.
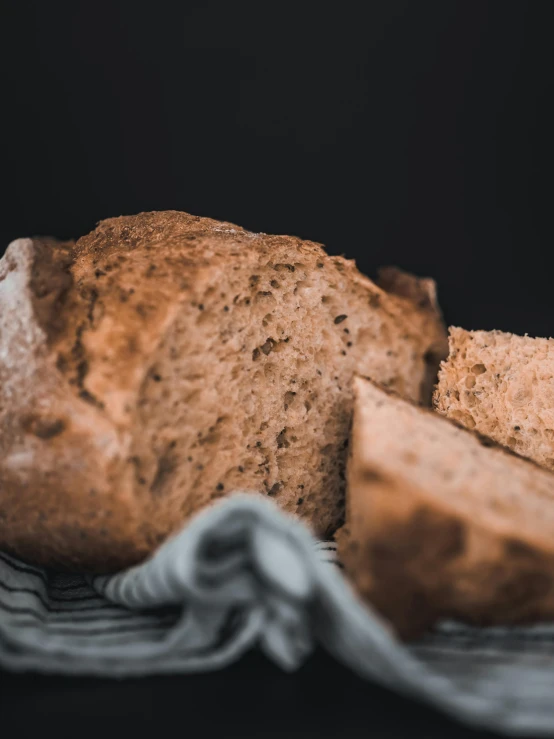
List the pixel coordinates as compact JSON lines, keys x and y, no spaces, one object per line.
{"x":415,"y":133}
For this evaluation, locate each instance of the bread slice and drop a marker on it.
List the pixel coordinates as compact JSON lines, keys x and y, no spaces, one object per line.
{"x":442,"y":524}
{"x":503,"y":386}
{"x":165,"y":360}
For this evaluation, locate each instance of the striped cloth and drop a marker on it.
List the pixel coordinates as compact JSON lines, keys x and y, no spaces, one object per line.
{"x":243,"y":574}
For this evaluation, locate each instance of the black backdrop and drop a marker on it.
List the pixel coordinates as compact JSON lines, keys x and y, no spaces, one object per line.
{"x":415,"y":133}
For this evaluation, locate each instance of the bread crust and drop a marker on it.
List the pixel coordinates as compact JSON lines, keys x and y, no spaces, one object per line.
{"x":418,"y":558}
{"x":81,"y":325}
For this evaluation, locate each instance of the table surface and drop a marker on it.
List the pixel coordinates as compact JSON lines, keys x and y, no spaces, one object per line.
{"x":252,"y":698}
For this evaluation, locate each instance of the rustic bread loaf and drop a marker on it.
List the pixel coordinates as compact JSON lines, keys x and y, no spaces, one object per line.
{"x":442,"y":522}
{"x":501,"y":385}
{"x":165,"y":360}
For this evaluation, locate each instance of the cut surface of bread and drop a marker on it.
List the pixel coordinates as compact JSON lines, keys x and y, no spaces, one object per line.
{"x":165,"y":360}
{"x":501,"y":385}
{"x":442,"y":522}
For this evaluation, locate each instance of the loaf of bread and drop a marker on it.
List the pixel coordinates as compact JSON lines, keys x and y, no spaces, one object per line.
{"x":442,"y":522}
{"x":501,"y":385}
{"x":164,"y":360}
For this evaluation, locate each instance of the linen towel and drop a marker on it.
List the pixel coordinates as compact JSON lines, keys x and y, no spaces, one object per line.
{"x":244,"y":574}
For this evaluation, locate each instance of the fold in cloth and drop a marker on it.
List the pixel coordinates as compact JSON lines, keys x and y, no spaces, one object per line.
{"x":243,"y":574}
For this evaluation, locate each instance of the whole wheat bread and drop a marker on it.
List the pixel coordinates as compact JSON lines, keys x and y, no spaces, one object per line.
{"x":165,"y":360}
{"x":442,"y":522}
{"x":501,"y":385}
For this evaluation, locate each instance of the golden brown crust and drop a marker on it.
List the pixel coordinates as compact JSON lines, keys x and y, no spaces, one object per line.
{"x":422,"y":291}
{"x":49,"y":283}
{"x":415,"y":567}
{"x":59,"y":455}
{"x":80,"y":328}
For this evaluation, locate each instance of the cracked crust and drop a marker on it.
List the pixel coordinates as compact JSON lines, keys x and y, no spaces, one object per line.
{"x":164,"y":360}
